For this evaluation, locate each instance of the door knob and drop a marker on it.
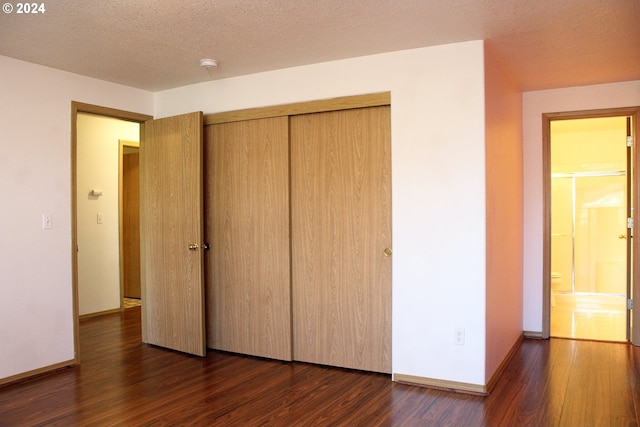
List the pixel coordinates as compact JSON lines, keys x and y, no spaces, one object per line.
{"x":387,"y":251}
{"x":622,"y":236}
{"x":195,"y":246}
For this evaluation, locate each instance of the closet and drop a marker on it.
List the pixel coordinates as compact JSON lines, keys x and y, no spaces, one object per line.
{"x":297,"y":215}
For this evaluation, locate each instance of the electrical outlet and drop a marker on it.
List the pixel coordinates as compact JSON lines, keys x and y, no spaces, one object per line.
{"x":46,"y":221}
{"x":458,"y":338}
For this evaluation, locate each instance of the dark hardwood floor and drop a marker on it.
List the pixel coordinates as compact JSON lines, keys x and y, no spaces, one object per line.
{"x":122,"y":382}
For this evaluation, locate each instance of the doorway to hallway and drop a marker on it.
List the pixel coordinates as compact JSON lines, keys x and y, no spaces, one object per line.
{"x":90,"y":193}
{"x":105,"y":257}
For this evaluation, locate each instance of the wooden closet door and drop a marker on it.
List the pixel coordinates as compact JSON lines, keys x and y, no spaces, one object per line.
{"x":247,"y":223}
{"x":341,"y":226}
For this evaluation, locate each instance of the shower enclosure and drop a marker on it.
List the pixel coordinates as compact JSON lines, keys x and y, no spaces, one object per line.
{"x":588,"y":231}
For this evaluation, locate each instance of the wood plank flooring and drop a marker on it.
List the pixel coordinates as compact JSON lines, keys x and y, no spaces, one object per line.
{"x":122,"y":382}
{"x":589,"y":316}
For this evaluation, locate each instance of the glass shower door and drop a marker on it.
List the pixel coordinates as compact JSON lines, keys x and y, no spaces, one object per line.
{"x":562,"y":235}
{"x":589,"y":253}
{"x":600,"y":234}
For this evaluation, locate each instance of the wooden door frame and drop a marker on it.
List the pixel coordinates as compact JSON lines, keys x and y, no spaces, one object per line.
{"x":547,"y":118}
{"x":79,"y":107}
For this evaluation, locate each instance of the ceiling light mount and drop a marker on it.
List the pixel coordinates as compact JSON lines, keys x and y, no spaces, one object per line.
{"x":208,"y":63}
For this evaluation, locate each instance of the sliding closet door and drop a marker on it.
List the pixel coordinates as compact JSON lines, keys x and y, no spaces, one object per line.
{"x":341,"y":238}
{"x":247,"y":223}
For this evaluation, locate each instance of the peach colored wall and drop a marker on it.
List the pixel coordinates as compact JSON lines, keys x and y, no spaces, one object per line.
{"x":503,"y":133}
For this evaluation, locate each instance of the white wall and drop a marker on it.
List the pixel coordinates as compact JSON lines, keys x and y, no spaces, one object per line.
{"x":99,"y":244}
{"x":438,"y":185}
{"x":535,"y":104}
{"x":36,"y":311}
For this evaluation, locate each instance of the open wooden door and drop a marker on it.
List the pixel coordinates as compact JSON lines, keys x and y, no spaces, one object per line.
{"x":171,"y":232}
{"x":130,"y":217}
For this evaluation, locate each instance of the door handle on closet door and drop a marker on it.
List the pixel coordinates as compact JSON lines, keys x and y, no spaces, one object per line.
{"x":195,"y":246}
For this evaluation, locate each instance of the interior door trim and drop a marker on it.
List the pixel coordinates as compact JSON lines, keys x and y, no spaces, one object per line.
{"x":547,"y":118}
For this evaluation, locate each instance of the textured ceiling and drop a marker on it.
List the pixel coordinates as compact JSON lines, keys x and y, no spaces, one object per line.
{"x":157,"y":44}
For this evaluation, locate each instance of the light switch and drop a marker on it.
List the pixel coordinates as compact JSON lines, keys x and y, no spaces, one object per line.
{"x":46,"y":221}
{"x":99,"y":217}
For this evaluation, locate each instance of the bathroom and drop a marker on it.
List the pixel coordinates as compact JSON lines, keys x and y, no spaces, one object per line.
{"x":589,"y":233}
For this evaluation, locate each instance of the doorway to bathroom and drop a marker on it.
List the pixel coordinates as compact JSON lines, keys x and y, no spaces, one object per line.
{"x":591,"y":209}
